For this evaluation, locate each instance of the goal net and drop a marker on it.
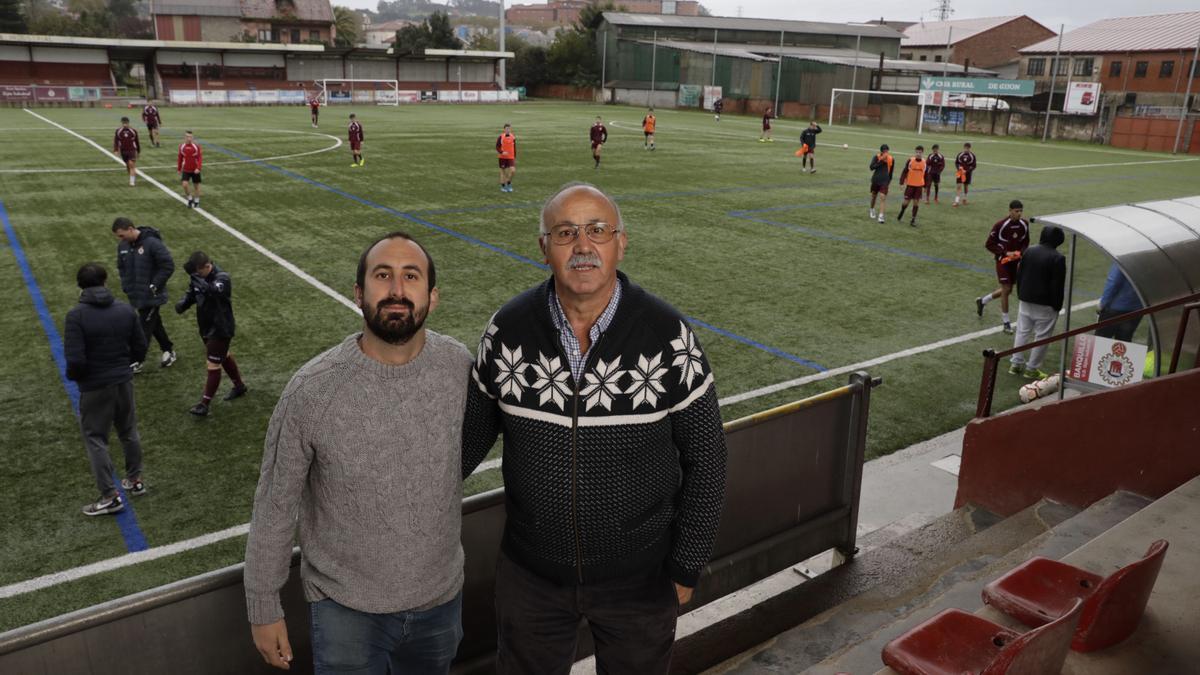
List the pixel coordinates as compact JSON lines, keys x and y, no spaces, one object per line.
{"x":378,"y":92}
{"x":848,"y":105}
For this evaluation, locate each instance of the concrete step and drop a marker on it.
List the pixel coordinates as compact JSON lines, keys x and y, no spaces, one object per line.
{"x":850,"y":636}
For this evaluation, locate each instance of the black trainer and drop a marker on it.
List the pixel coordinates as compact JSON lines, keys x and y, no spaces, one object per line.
{"x":979,"y":306}
{"x":199,"y":410}
{"x":104,"y":506}
{"x":237,"y":392}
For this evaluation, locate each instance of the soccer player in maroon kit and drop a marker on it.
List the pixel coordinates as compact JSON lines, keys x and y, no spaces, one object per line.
{"x":356,"y":138}
{"x":912,"y":177}
{"x":127,"y":145}
{"x":153,"y":121}
{"x":599,"y":136}
{"x":188,"y":164}
{"x":766,"y":126}
{"x":1007,"y":241}
{"x":314,"y":107}
{"x":964,"y":166}
{"x":933,"y":173}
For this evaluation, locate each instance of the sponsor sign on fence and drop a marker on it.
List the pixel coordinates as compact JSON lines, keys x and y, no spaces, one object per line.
{"x":363,"y":95}
{"x":1108,"y":363}
{"x":241,"y":96}
{"x":470,"y":96}
{"x":214,"y":96}
{"x":15,"y":92}
{"x":711,"y":94}
{"x":689,"y":95}
{"x":183,"y":96}
{"x":50,"y":94}
{"x":450,"y":96}
{"x":408,"y":96}
{"x":979,"y":86}
{"x":1082,"y":98}
{"x":83,"y":93}
{"x":284,"y":96}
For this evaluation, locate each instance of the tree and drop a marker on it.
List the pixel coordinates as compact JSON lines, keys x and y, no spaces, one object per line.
{"x":574,"y":56}
{"x":441,"y":32}
{"x":529,"y":67}
{"x":11,"y":19}
{"x":347,"y":26}
{"x":432,"y":33}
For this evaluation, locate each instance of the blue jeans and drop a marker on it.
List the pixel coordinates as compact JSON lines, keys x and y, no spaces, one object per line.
{"x":346,"y":640}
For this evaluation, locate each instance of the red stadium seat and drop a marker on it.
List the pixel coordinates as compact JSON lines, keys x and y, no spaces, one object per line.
{"x":955,"y":642}
{"x":1041,"y":590}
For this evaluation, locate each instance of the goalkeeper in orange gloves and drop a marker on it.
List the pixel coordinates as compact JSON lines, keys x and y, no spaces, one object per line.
{"x":1007,"y":241}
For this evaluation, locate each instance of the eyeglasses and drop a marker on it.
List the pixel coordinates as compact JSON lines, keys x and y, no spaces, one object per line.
{"x":565,"y":233}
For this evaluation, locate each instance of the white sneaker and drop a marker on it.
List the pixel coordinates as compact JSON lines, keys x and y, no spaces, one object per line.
{"x":168,"y":359}
{"x":872,"y":216}
{"x":136,"y":367}
{"x":131,"y":181}
{"x":882,"y":219}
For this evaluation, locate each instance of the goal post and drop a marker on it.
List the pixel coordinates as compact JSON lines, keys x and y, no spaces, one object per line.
{"x":358,"y":90}
{"x":848,"y":97}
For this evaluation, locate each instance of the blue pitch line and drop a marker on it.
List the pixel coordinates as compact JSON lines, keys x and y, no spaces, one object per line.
{"x":496,"y":249}
{"x":126,"y":519}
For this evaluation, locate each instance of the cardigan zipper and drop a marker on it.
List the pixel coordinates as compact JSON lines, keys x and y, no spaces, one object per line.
{"x":593,"y":351}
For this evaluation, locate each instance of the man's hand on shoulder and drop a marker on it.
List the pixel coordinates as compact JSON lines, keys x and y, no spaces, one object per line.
{"x":684,"y":594}
{"x":271,"y":641}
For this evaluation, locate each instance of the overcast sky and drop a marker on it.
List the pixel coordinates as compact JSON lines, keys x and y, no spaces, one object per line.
{"x":1074,"y":13}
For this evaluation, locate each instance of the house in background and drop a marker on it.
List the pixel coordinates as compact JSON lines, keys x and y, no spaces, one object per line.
{"x":276,"y":21}
{"x":993,"y":43}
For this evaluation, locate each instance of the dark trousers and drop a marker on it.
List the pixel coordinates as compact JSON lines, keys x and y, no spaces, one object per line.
{"x":99,"y":412}
{"x":1120,"y":331}
{"x":537,"y":623}
{"x":152,"y":325}
{"x":348,"y":641}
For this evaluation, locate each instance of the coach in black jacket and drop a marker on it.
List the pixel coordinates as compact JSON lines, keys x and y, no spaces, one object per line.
{"x":145,"y":265}
{"x":101,"y":338}
{"x":614,"y":456}
{"x":1041,"y":275}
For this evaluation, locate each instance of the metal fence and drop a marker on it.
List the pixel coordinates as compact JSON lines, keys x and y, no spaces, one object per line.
{"x":794,"y":477}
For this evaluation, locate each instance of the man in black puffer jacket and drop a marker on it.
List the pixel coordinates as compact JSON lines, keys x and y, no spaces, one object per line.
{"x":102,"y":337}
{"x":211,"y":291}
{"x":1040,"y":278}
{"x":145,"y":265}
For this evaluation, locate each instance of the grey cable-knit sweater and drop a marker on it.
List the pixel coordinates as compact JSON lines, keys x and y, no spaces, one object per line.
{"x":368,"y":457}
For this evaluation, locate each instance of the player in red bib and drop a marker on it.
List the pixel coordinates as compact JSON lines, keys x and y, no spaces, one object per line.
{"x":1007,"y":241}
{"x":506,"y":151}
{"x":964,"y":166}
{"x":933,"y":173}
{"x":356,"y":138}
{"x":188,"y":164}
{"x":314,"y":107}
{"x":912,"y":177}
{"x":599,"y":136}
{"x":128,"y":146}
{"x":153,"y":121}
{"x":765,"y":136}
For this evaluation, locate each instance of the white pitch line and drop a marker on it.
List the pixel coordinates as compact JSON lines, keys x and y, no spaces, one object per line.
{"x":46,"y":581}
{"x":1089,"y":166}
{"x":316,"y":283}
{"x":870,"y":363}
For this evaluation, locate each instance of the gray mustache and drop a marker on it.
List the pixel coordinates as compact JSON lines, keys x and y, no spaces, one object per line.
{"x":581,"y":259}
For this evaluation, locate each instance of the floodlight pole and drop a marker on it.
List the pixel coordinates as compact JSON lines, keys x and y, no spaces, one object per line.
{"x":500,"y":45}
{"x":1053,"y":77}
{"x":714,"y":68}
{"x":945,"y":65}
{"x":778,"y":75}
{"x":1191,"y":75}
{"x":653,"y":65}
{"x":854,"y":79}
{"x":604,"y":65}
{"x":197,"y":69}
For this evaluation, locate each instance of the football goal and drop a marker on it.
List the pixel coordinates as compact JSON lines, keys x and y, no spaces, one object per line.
{"x":843,"y":101}
{"x":379,"y":92}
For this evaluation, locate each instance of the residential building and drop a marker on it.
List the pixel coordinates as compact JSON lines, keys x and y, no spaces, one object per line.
{"x":566,"y":12}
{"x":992,"y":42}
{"x":278,"y":21}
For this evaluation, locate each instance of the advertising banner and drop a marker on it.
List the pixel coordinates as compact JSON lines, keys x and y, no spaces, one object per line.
{"x":387,"y":96}
{"x":450,"y":96}
{"x":50,"y":93}
{"x":428,"y":95}
{"x":1108,"y":363}
{"x":979,"y":86}
{"x":711,"y":94}
{"x":489,"y":96}
{"x":510,"y":95}
{"x":363,"y":95}
{"x":15,"y":92}
{"x":183,"y":96}
{"x":1082,"y":98}
{"x":83,"y":93}
{"x":470,"y":96}
{"x":283,"y":96}
{"x":241,"y":96}
{"x":689,"y":95}
{"x":408,"y":96}
{"x":214,"y":96}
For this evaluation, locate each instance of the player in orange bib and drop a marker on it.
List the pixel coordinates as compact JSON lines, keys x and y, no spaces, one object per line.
{"x":506,"y":150}
{"x":648,"y":124}
{"x":912,"y":177}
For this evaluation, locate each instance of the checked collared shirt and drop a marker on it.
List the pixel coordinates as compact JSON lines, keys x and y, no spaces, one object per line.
{"x":576,"y":357}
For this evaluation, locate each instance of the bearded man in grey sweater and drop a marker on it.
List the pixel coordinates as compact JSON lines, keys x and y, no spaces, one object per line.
{"x":363,"y":452}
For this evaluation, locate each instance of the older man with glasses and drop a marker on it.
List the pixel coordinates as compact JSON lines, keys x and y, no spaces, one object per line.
{"x":614,"y":457}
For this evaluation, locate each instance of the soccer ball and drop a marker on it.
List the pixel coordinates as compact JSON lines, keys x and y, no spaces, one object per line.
{"x":1039,"y":389}
{"x":845,"y":146}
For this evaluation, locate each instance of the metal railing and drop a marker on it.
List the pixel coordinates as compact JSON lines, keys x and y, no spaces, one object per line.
{"x":794,"y":475}
{"x":991,"y":358}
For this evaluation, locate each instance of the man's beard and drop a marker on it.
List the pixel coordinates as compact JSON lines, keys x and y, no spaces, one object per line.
{"x":394,"y":330}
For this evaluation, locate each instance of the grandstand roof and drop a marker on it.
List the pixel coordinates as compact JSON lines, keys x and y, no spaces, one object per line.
{"x":937,"y":33}
{"x":842,"y":57}
{"x":1159,"y":32}
{"x":735,"y":23}
{"x":64,"y":41}
{"x":305,"y":10}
